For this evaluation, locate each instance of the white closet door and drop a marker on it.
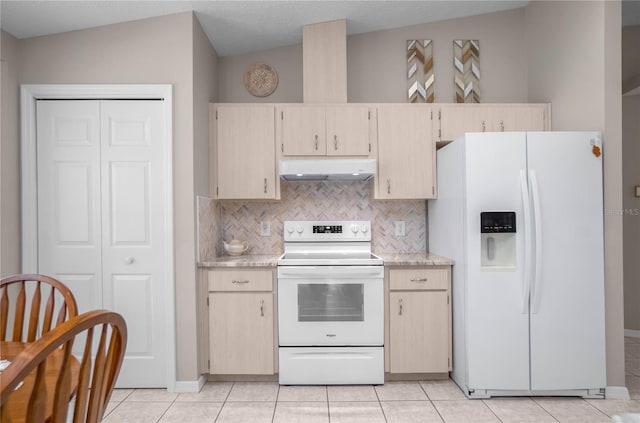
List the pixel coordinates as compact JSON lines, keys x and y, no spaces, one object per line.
{"x":133,"y":238}
{"x":69,"y":227}
{"x":101,"y":217}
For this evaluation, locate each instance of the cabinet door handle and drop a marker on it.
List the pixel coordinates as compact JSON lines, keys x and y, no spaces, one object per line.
{"x":501,"y":126}
{"x":315,"y":144}
{"x":240,"y":282}
{"x":418,"y":279}
{"x":335,"y":142}
{"x":262,"y":308}
{"x":400,"y":309}
{"x":484,"y":126}
{"x":388,"y":186}
{"x":265,"y":185}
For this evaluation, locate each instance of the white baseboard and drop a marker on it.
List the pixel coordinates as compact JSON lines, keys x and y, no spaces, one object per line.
{"x":616,"y":392}
{"x":632,"y":333}
{"x":191,"y":385}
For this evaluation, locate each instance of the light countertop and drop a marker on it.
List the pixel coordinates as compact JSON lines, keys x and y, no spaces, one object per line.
{"x":414,"y":259}
{"x":271,"y":260}
{"x":248,"y":260}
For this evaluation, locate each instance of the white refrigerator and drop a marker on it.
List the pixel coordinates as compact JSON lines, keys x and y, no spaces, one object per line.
{"x":521,"y":213}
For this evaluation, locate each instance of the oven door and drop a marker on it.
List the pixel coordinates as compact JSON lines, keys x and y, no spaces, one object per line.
{"x":330,"y":305}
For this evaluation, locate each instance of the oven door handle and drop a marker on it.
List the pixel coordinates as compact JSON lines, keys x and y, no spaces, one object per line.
{"x":323,"y":272}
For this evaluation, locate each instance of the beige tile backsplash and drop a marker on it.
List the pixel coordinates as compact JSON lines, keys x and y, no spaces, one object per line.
{"x":310,"y":201}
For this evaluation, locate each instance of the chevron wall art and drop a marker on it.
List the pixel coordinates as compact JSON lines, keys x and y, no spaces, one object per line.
{"x":466,"y":62}
{"x":228,"y":219}
{"x":420,"y":71}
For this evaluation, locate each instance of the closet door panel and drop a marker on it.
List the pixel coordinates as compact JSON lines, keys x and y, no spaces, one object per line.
{"x":68,"y":175}
{"x":133,"y":227}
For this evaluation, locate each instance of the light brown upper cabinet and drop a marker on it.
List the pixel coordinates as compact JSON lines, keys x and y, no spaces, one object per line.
{"x":243,"y":164}
{"x":328,"y":130}
{"x":406,"y":152}
{"x":456,"y":119}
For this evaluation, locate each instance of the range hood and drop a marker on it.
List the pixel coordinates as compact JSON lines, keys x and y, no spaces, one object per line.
{"x":327,"y":169}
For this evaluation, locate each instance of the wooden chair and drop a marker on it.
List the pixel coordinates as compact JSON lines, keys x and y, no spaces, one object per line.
{"x":19,"y":288}
{"x":104,"y":334}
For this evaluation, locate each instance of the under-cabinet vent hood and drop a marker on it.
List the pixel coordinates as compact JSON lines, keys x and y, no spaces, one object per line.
{"x":327,"y":170}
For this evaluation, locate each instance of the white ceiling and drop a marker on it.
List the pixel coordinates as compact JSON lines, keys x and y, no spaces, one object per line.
{"x":240,"y":26}
{"x":236,"y":27}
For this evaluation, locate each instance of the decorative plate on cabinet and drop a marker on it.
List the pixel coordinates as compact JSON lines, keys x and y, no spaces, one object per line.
{"x":260,"y":79}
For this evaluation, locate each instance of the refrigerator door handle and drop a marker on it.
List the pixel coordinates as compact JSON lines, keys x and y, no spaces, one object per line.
{"x":526,"y":281}
{"x":538,"y":240}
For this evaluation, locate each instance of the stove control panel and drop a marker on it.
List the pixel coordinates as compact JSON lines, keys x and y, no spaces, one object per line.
{"x":335,"y":231}
{"x":327,"y":229}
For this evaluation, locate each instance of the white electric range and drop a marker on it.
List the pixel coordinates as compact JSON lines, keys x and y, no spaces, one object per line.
{"x":330,"y":305}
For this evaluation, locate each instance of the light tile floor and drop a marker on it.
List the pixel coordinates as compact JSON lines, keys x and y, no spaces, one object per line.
{"x":411,"y":402}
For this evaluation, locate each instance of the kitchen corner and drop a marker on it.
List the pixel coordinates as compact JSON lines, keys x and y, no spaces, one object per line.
{"x":241,"y":292}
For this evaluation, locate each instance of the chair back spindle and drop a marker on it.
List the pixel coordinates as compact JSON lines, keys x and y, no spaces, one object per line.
{"x":24,"y":295}
{"x":91,"y":380}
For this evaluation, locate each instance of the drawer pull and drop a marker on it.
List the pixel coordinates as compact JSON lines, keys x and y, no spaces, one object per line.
{"x":237,"y":281}
{"x":400,"y":304}
{"x":418,"y":279}
{"x":262,"y":308}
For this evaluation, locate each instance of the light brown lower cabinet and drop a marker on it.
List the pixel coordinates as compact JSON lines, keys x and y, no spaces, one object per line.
{"x":241,"y":323}
{"x":419,"y":321}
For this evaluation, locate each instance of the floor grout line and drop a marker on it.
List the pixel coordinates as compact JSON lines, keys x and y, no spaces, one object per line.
{"x":328,"y":406}
{"x":487,"y":403}
{"x":275,"y":405}
{"x":167,"y":409}
{"x":384,"y":415}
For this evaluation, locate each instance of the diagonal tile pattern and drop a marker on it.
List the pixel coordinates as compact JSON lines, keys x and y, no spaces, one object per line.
{"x":310,"y":201}
{"x":394,"y":402}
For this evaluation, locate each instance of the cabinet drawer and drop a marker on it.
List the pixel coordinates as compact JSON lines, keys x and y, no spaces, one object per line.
{"x":418,"y":279}
{"x":240,"y":280}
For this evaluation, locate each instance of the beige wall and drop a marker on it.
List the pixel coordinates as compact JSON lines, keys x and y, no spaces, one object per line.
{"x":10,"y":245}
{"x":205,"y":69}
{"x":559,"y":72}
{"x":631,"y":177}
{"x":582,"y":41}
{"x":376,"y":63}
{"x":630,"y":58}
{"x":377,"y":70}
{"x":205,"y":79}
{"x":156,"y":50}
{"x":287,"y":61}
